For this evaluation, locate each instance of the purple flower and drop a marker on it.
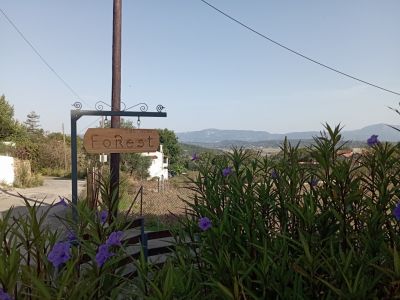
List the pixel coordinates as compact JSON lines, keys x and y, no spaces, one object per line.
{"x":195,"y":157}
{"x":314,"y":182}
{"x":373,"y":140}
{"x":227,"y":171}
{"x":205,"y":223}
{"x":60,"y":253}
{"x":103,"y":254}
{"x":4,"y":295}
{"x":114,"y":239}
{"x":62,"y":202}
{"x":274,"y":174}
{"x":103,"y":216}
{"x":396,"y":212}
{"x":71,"y":236}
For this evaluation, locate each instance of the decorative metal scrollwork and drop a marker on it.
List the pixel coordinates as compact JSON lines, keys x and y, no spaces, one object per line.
{"x":142,"y":106}
{"x":77,"y":105}
{"x":100,"y":105}
{"x":160,"y":108}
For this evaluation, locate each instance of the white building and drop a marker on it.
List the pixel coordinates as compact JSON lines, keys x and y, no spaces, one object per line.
{"x":159,"y":164}
{"x":7,"y":174}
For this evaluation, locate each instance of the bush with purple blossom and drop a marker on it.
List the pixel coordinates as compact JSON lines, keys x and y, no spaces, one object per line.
{"x":254,"y":235}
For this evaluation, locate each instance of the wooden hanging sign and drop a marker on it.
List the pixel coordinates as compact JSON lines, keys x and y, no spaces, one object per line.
{"x":121,"y":140}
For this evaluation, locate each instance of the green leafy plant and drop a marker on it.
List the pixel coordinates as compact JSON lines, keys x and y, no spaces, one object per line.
{"x":309,"y":224}
{"x":261,"y":228}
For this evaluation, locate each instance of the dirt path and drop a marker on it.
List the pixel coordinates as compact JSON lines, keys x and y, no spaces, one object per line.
{"x":52,"y":189}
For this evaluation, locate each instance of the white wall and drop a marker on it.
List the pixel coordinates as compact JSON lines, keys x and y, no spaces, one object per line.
{"x":158,"y":168}
{"x":7,"y":175}
{"x":159,"y":164}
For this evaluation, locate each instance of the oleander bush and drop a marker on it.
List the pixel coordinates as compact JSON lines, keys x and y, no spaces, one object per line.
{"x":284,"y":229}
{"x":257,"y":228}
{"x":79,"y":260}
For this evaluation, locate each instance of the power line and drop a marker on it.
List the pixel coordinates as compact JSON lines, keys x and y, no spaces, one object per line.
{"x":296,"y":52}
{"x":41,"y":57}
{"x":86,"y":127}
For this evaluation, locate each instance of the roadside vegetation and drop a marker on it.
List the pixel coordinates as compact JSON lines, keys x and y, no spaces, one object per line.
{"x":308,"y":223}
{"x":49,"y":153}
{"x":253,"y":228}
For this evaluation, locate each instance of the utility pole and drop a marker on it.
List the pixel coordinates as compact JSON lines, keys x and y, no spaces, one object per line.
{"x":116,"y":100}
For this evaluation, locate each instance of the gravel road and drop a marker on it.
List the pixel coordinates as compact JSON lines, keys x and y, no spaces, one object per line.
{"x":52,"y":189}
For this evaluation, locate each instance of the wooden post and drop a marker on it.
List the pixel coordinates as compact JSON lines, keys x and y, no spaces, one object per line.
{"x":116,"y":99}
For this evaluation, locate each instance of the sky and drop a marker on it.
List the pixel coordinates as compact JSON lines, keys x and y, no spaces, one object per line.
{"x":207,"y":71}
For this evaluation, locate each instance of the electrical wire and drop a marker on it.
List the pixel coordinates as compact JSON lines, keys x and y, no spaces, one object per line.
{"x":41,"y":57}
{"x":296,"y":52}
{"x":86,"y":127}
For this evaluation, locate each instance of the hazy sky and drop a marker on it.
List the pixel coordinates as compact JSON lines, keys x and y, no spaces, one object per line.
{"x":206,"y":70}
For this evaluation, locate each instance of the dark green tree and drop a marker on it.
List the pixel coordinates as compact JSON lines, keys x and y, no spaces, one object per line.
{"x":136,"y":164}
{"x":172,"y":150}
{"x":124,"y":123}
{"x":170,"y":143}
{"x":32,"y":122}
{"x":9,"y":127}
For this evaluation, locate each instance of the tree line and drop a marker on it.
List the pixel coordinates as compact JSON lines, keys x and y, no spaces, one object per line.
{"x":50,"y":152}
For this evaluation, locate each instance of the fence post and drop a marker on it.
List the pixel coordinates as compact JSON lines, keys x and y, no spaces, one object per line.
{"x":144,"y":239}
{"x":89,"y":186}
{"x":141,"y":200}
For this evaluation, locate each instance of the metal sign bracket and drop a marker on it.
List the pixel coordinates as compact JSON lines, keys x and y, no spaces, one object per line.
{"x":77,"y":113}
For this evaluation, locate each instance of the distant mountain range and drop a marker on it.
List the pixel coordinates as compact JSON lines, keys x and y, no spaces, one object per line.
{"x":215,"y":136}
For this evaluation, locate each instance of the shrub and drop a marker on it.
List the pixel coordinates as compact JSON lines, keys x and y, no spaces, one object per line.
{"x":256,"y":229}
{"x":24,"y":178}
{"x":56,"y":172}
{"x":78,"y":261}
{"x":284,"y":229}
